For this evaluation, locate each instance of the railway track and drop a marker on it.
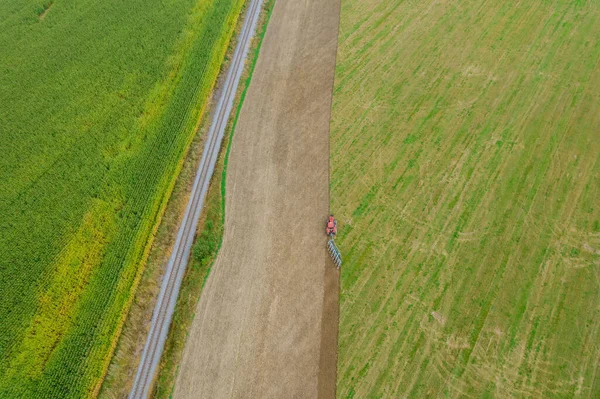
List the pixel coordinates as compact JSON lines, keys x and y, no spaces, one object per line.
{"x":167,"y":298}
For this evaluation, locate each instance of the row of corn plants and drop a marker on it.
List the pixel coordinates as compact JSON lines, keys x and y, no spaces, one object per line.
{"x":98,"y":105}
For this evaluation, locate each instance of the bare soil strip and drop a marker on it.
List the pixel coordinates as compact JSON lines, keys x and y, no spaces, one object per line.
{"x":266,"y":324}
{"x":329,"y":335}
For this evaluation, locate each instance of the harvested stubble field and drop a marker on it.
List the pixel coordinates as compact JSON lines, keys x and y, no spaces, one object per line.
{"x":465,"y":176}
{"x":98,"y":103}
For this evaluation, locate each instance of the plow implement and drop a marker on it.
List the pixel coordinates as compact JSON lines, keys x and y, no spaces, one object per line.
{"x":334,"y":252}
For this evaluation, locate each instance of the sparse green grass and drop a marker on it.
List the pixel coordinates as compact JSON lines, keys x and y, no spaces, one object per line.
{"x":98,"y":103}
{"x":465,"y":177}
{"x":203,"y":254}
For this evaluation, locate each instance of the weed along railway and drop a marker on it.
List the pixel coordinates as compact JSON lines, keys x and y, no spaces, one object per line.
{"x":165,"y":305}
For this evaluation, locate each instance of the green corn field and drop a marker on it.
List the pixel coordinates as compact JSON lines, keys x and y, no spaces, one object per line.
{"x":99,"y":102}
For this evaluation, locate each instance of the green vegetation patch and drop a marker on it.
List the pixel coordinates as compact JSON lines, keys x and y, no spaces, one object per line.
{"x":465,"y":178}
{"x":99,"y":102}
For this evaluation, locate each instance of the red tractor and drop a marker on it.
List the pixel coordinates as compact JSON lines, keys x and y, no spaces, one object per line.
{"x":331,"y":228}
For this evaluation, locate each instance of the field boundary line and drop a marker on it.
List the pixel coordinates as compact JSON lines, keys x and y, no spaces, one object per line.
{"x":330,"y":172}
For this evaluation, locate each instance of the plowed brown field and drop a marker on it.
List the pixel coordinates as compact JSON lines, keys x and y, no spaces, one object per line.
{"x":266,"y":324}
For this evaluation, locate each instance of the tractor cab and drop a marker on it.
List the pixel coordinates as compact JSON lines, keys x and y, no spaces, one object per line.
{"x":331,"y":228}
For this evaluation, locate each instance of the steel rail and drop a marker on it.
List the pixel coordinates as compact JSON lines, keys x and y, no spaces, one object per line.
{"x":167,"y":297}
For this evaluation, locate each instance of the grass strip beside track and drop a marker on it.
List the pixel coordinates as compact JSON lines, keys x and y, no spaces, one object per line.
{"x":209,"y":239}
